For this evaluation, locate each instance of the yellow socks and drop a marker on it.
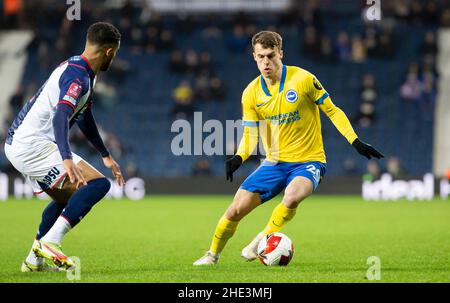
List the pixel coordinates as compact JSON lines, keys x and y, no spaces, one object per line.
{"x":280,"y":216}
{"x":224,"y":230}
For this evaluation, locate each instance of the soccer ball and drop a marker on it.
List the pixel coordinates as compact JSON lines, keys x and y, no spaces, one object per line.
{"x":275,"y":249}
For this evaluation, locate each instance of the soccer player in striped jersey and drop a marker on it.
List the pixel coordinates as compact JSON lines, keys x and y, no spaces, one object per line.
{"x":286,"y":101}
{"x":37,"y":146}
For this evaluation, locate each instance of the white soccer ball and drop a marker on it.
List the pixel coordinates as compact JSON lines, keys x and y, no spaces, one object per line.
{"x":275,"y":249}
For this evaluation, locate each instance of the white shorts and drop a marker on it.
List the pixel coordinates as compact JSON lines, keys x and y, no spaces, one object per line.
{"x":41,"y":164}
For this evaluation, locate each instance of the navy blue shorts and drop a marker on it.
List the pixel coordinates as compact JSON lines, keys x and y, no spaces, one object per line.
{"x":270,"y":178}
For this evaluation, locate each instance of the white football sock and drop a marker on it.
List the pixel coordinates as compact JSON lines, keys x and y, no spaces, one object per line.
{"x":57,"y":232}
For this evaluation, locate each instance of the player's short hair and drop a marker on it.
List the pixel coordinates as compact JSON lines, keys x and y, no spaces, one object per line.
{"x":267,"y":39}
{"x":102,"y":33}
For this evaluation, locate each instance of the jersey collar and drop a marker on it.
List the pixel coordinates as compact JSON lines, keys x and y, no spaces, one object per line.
{"x":280,"y":89}
{"x":88,"y":66}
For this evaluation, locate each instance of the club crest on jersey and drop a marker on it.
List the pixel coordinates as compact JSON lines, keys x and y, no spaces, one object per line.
{"x":291,"y":96}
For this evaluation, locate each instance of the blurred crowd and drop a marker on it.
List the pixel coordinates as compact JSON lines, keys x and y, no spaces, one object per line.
{"x":197,"y":68}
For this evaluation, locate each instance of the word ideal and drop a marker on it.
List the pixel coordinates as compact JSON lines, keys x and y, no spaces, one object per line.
{"x":388,"y":189}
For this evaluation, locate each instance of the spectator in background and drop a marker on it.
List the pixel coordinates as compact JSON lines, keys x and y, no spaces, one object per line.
{"x":212,"y":31}
{"x":202,"y":168}
{"x":368,"y":97}
{"x":151,"y":40}
{"x":176,"y":63}
{"x":191,"y":61}
{"x":238,"y":41}
{"x":202,"y":91}
{"x":311,"y":42}
{"x":115,"y":146}
{"x":411,"y":89}
{"x":373,"y":171}
{"x":166,"y":40}
{"x":43,"y":56}
{"x":343,"y":47}
{"x":205,"y":62}
{"x":445,"y":18}
{"x":137,"y":41}
{"x":359,"y":52}
{"x":17,"y":101}
{"x":118,"y":71}
{"x":371,"y":41}
{"x":350,"y":168}
{"x":131,"y":170}
{"x":429,"y":51}
{"x":385,"y":48}
{"x":182,"y":95}
{"x":429,"y":92}
{"x":313,"y":16}
{"x":394,"y":168}
{"x":217,"y":89}
{"x":326,"y":50}
{"x":429,"y":45}
{"x":105,"y":95}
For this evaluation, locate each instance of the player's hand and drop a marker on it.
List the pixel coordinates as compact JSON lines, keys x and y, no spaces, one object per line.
{"x":366,"y":150}
{"x":74,"y":172}
{"x":232,"y":165}
{"x":109,"y":162}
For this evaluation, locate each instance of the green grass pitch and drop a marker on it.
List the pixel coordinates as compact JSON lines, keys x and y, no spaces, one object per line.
{"x":157,"y":239}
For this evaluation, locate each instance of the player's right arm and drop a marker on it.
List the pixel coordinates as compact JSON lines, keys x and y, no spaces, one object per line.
{"x":317,"y":94}
{"x":249,"y":139}
{"x":71,"y":90}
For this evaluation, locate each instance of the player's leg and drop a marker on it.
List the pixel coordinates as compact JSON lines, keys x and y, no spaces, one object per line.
{"x":303,"y":179}
{"x":33,"y":163}
{"x":261,"y":186}
{"x":298,"y":189}
{"x":243,"y":203}
{"x":78,"y":203}
{"x":49,"y":216}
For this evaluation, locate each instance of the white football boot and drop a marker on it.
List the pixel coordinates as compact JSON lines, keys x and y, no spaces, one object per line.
{"x":250,"y":252}
{"x":208,"y":259}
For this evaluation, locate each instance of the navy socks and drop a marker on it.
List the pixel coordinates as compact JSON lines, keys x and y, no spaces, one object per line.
{"x":84,"y":199}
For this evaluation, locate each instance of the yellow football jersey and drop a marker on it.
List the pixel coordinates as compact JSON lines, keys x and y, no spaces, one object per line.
{"x":288,"y":118}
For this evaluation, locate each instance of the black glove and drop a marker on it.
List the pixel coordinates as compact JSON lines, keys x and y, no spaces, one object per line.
{"x":232,"y":165}
{"x":366,"y":150}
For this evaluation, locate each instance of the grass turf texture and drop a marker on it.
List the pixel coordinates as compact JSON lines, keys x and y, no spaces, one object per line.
{"x":157,"y":239}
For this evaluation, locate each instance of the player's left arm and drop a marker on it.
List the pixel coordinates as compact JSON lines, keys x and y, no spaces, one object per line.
{"x":88,"y":126}
{"x":339,"y":119}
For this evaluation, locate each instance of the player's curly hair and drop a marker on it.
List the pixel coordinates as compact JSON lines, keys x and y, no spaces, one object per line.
{"x":267,"y":39}
{"x":102,"y":33}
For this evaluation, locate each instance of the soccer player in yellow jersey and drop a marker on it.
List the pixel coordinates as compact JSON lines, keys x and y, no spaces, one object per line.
{"x":286,"y":100}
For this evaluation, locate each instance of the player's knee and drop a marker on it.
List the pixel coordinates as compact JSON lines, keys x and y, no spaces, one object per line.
{"x":103,"y":185}
{"x":293,"y":200}
{"x":234,"y":213}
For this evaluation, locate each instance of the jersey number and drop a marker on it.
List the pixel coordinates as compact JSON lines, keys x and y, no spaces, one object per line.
{"x":314,"y":171}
